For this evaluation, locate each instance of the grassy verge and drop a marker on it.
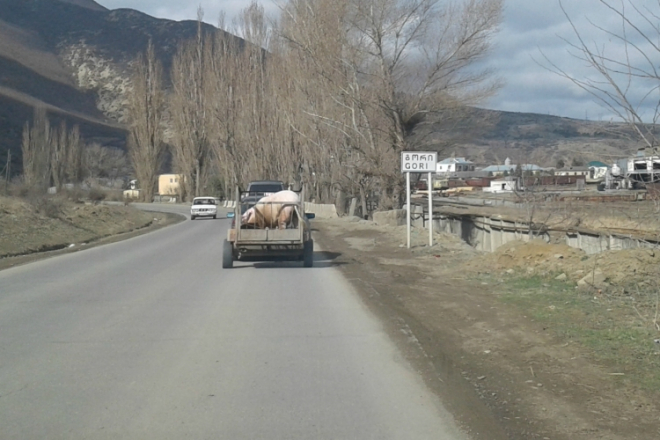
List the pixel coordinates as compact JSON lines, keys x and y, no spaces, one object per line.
{"x":618,"y":327}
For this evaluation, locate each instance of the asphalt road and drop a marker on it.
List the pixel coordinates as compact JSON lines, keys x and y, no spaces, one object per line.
{"x":150,"y":339}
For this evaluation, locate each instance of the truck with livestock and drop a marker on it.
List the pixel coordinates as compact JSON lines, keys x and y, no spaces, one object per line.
{"x":269,"y":227}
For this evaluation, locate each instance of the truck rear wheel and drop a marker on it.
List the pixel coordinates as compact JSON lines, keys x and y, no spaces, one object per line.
{"x":227,"y":255}
{"x":308,"y":253}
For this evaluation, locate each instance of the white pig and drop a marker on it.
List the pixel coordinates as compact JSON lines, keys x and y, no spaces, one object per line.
{"x":272,"y":211}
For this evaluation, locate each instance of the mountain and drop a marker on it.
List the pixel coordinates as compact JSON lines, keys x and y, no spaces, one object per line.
{"x":488,"y":137}
{"x":72,"y":57}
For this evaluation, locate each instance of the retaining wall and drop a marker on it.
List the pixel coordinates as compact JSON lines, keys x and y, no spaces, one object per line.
{"x":321,"y":211}
{"x":488,"y":233}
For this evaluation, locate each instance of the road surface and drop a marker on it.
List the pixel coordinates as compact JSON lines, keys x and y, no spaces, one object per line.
{"x":149,"y":339}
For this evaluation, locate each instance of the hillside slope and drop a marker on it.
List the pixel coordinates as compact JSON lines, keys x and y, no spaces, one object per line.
{"x":489,"y":137}
{"x":72,"y":57}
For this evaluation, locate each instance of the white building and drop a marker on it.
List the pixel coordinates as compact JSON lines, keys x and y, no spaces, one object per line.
{"x":572,"y":171}
{"x":453,"y":165}
{"x":597,"y":171}
{"x":503,"y":186}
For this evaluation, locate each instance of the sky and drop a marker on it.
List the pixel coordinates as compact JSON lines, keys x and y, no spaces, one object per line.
{"x":532,"y":37}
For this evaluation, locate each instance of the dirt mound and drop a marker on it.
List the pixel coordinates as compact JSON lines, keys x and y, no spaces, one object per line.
{"x":624,"y":267}
{"x":532,"y":256}
{"x":618,"y":267}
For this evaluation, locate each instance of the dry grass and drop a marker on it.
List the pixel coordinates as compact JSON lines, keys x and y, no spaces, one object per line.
{"x":619,"y":326}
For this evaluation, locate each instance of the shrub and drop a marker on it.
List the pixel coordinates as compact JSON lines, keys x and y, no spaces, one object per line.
{"x":96,"y":195}
{"x":115,"y":195}
{"x":75,"y":194}
{"x":50,"y":206}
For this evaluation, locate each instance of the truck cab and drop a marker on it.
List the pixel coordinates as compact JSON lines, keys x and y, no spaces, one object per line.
{"x":260,"y":188}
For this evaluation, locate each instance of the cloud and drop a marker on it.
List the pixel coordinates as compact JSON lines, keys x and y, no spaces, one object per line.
{"x":536,"y":35}
{"x":531,"y":31}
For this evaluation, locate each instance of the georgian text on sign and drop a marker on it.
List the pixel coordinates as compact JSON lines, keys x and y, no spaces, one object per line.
{"x":418,"y":161}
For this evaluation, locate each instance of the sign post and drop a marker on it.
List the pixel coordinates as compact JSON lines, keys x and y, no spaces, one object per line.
{"x":419,"y":162}
{"x":430,"y":185}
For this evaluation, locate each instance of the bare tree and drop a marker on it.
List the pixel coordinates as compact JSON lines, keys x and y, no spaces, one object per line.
{"x":385,"y":64}
{"x":146,"y":109}
{"x":66,"y":152}
{"x":74,"y":170}
{"x":100,"y":161}
{"x":330,"y":99}
{"x":36,"y":151}
{"x":250,"y":88}
{"x":58,"y":153}
{"x":188,"y":110}
{"x":624,"y":61}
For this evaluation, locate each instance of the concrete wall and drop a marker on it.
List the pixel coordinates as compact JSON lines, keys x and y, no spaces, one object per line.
{"x":487,"y":234}
{"x":484,"y":233}
{"x":321,"y":211}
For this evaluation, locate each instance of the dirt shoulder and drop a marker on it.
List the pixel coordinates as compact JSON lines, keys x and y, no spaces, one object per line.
{"x":498,"y":335}
{"x":36,"y":229}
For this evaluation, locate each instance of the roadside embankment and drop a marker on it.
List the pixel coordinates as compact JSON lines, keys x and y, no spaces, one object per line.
{"x":33,"y":226}
{"x":544,"y":355}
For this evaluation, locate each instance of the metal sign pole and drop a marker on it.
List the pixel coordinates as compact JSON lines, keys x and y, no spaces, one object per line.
{"x":430,"y":188}
{"x":408,"y":208}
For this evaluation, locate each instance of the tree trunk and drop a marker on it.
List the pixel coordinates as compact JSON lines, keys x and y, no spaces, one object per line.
{"x":363,"y":201}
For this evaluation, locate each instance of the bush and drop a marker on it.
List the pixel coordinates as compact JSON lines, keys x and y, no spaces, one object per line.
{"x":96,"y":195}
{"x":75,"y":194}
{"x":50,"y":206}
{"x":115,"y":195}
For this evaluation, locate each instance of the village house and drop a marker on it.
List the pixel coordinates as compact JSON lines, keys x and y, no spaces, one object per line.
{"x":597,"y":171}
{"x":506,"y":185}
{"x":572,"y":171}
{"x":169,"y":184}
{"x":454,"y":165}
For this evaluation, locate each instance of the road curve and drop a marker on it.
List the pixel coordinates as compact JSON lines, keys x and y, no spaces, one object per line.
{"x":150,"y":339}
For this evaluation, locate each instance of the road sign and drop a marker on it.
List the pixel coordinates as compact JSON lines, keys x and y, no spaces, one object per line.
{"x":418,"y":161}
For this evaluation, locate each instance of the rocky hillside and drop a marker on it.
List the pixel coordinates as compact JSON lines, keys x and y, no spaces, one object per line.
{"x":72,"y":56}
{"x":489,"y":137}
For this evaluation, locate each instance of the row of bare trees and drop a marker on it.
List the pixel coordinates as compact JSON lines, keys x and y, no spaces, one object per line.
{"x":51,"y":155}
{"x":327,"y":98}
{"x":56,"y":156}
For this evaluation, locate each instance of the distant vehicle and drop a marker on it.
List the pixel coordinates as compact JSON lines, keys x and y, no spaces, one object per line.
{"x":204,"y":207}
{"x":262,"y":188}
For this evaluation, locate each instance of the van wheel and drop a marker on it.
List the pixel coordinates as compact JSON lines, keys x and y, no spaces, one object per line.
{"x":308,"y":253}
{"x":227,"y":255}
